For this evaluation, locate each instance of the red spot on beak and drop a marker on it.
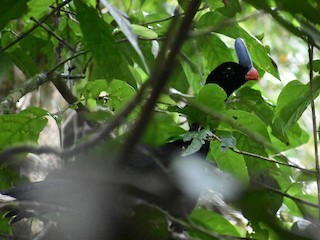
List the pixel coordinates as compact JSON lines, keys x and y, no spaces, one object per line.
{"x":252,"y":74}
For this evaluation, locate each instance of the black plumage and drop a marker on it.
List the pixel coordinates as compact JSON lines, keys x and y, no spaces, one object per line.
{"x":229,"y":76}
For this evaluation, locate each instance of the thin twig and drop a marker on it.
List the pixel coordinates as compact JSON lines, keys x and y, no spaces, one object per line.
{"x":65,"y":11}
{"x":170,"y":17}
{"x":76,"y":76}
{"x":23,"y":35}
{"x":268,"y":159}
{"x":63,"y":42}
{"x":314,"y":123}
{"x":68,"y":59}
{"x":277,"y":191}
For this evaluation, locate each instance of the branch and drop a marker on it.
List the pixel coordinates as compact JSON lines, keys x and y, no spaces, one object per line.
{"x":266,"y":158}
{"x":8,"y":153}
{"x":277,"y":191}
{"x":30,"y":85}
{"x":64,"y":90}
{"x":314,"y":123}
{"x":160,"y":76}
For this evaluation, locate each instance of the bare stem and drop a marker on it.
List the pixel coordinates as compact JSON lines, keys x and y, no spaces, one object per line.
{"x":314,"y":123}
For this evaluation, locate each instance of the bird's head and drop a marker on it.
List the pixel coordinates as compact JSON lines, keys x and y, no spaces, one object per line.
{"x":230,"y":75}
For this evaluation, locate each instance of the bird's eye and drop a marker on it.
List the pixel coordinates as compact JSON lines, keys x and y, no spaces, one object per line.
{"x":228,"y":72}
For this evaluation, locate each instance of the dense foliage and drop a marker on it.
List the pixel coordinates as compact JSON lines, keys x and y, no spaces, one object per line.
{"x":107,"y":58}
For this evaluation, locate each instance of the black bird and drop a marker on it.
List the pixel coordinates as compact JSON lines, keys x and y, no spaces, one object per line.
{"x":102,"y":194}
{"x":230,"y":75}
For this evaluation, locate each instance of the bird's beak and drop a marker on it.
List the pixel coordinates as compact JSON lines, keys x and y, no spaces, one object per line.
{"x":245,"y":59}
{"x":252,"y":74}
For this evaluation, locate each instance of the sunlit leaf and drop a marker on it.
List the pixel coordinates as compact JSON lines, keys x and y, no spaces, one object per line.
{"x":213,"y":222}
{"x":126,"y":28}
{"x":161,"y":129}
{"x":22,"y":128}
{"x":292,"y":102}
{"x":230,"y":162}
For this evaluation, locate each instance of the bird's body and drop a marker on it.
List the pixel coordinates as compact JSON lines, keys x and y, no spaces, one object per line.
{"x":229,"y":76}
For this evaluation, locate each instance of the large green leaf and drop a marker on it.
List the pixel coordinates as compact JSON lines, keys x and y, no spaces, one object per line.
{"x":109,"y":61}
{"x":212,"y":222}
{"x":120,"y":93}
{"x":230,"y":162}
{"x":250,"y":121}
{"x":161,"y":129}
{"x":292,"y":102}
{"x":37,"y":8}
{"x":24,"y":62}
{"x":294,"y":136}
{"x":251,"y":100}
{"x":213,"y":52}
{"x":255,"y":129}
{"x":126,"y":28}
{"x":305,"y":10}
{"x":23,"y":127}
{"x":11,"y":10}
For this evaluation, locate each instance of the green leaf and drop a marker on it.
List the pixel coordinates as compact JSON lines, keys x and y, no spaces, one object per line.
{"x":197,"y":139}
{"x":109,"y":61}
{"x":230,"y":8}
{"x":161,"y":129}
{"x":215,"y":4}
{"x":126,"y":28}
{"x":306,"y":10}
{"x":252,"y":101}
{"x":295,"y":137}
{"x":227,"y":142}
{"x":120,"y":93}
{"x":24,"y":62}
{"x":213,"y":222}
{"x":23,"y":127}
{"x":213,"y":52}
{"x":259,"y":204}
{"x":250,"y":121}
{"x":316,"y":65}
{"x":38,"y":8}
{"x":292,"y":102}
{"x":230,"y":162}
{"x":212,"y":96}
{"x":94,"y":88}
{"x":11,"y":10}
{"x":144,"y":31}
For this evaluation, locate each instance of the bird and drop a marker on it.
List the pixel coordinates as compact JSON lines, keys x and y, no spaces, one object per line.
{"x":231,"y":75}
{"x":103,"y":193}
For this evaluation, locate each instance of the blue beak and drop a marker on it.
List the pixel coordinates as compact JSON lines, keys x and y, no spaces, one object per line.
{"x":243,"y":53}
